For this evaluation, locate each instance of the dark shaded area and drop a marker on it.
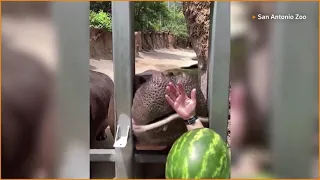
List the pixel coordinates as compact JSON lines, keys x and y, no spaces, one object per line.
{"x":96,"y":6}
{"x":195,"y":66}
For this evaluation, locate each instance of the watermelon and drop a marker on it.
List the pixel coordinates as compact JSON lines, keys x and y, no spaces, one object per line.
{"x":199,"y":153}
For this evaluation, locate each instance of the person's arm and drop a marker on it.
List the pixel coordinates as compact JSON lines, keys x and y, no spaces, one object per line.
{"x":183,"y":105}
{"x":193,"y":123}
{"x":196,"y":125}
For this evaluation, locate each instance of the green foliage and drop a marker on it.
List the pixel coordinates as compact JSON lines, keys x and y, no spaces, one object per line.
{"x":96,"y":6}
{"x":147,"y":16}
{"x":176,"y":23}
{"x":100,"y":20}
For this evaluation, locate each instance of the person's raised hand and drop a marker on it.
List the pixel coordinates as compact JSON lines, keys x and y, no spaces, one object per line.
{"x":177,"y":98}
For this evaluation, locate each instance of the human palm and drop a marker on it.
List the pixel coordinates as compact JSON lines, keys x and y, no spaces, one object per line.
{"x":180,"y":102}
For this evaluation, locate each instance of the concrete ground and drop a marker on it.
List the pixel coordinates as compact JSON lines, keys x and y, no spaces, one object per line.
{"x":157,"y":60}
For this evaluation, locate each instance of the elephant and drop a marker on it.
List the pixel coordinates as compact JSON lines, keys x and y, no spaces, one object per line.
{"x":154,"y":120}
{"x":101,"y":105}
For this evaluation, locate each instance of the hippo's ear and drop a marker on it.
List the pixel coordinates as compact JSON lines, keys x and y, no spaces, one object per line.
{"x":140,"y":79}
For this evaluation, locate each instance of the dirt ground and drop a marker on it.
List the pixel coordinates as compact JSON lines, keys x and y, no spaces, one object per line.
{"x":161,"y":59}
{"x":157,"y":60}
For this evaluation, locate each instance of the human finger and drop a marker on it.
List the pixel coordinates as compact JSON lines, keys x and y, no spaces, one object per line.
{"x":194,"y":95}
{"x":180,"y":99}
{"x":181,"y":89}
{"x":173,"y":89}
{"x":170,"y":93}
{"x":178,"y":102}
{"x":169,"y":100}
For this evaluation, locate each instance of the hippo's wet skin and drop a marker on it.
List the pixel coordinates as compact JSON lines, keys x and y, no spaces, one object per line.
{"x":154,"y":120}
{"x":101,"y":105}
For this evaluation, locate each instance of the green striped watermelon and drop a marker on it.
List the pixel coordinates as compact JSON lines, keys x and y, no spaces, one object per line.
{"x":200,"y":153}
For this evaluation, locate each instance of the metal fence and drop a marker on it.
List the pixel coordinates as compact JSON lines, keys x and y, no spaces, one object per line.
{"x":294,"y":95}
{"x":290,"y":109}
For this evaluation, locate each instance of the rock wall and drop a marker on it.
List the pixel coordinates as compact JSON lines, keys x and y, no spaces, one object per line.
{"x":157,"y":40}
{"x":101,"y":42}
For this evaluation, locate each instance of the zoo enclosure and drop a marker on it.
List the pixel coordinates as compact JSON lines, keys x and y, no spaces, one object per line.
{"x":289,"y":109}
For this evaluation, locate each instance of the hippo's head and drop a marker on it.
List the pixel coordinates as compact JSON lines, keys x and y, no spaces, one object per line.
{"x":150,"y":111}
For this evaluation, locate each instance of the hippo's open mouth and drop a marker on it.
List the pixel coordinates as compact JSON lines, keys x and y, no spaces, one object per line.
{"x":162,"y":122}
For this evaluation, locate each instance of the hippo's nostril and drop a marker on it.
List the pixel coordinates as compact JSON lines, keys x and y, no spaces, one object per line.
{"x":170,"y":74}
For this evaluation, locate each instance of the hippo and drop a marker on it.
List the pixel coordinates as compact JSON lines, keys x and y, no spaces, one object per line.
{"x":101,"y":105}
{"x":154,"y":120}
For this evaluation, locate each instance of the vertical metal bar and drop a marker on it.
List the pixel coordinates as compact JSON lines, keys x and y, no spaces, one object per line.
{"x":71,"y":22}
{"x":219,"y":62}
{"x":294,"y":89}
{"x":123,"y":58}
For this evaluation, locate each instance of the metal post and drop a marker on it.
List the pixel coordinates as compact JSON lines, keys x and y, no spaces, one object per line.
{"x":71,"y":21}
{"x":124,"y":68}
{"x":294,"y":83}
{"x":219,"y":62}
